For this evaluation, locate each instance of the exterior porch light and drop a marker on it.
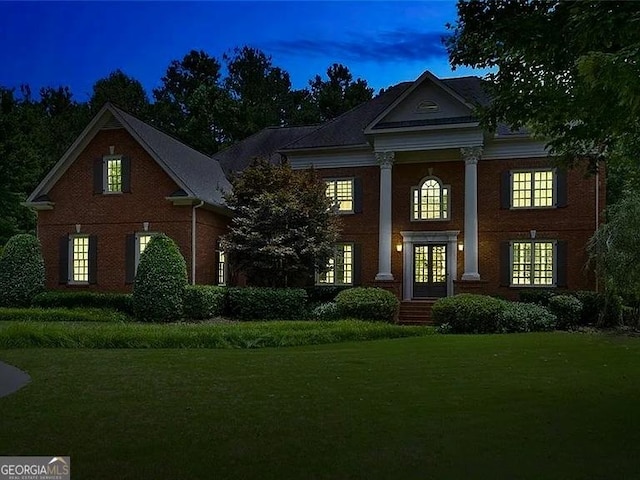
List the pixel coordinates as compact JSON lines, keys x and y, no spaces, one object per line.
{"x":78,"y":226}
{"x":145,"y":226}
{"x":398,"y":247}
{"x":460,"y":247}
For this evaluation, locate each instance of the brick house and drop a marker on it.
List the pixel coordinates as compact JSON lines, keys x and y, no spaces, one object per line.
{"x":118,"y":184}
{"x":432,"y":205}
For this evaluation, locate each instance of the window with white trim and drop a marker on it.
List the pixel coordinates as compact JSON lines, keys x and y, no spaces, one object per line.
{"x":341,"y":194}
{"x":532,"y":188}
{"x":112,"y":174}
{"x":222,"y":268}
{"x":533,"y":263}
{"x":142,"y":240}
{"x":79,"y":259}
{"x":430,"y":200}
{"x":340,"y":270}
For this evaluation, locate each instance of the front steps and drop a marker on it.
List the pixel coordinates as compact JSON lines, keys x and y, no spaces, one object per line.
{"x":416,"y":312}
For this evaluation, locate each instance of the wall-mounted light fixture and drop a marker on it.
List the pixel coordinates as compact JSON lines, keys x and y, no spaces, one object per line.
{"x":112,"y":149}
{"x":398,"y":247}
{"x":145,"y":226}
{"x":78,"y":228}
{"x":460,"y":247}
{"x":533,"y":234}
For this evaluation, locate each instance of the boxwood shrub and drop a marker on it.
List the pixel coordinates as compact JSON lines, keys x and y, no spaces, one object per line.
{"x":325,"y":311}
{"x":567,"y":309}
{"x":368,"y":303}
{"x":541,"y":296}
{"x":122,"y":302}
{"x":158,"y":290}
{"x":468,"y":313}
{"x":258,"y":303}
{"x":525,"y":317}
{"x":21,"y":271}
{"x":204,"y":301}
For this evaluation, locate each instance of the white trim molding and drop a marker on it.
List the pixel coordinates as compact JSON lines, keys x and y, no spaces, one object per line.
{"x":450,"y":237}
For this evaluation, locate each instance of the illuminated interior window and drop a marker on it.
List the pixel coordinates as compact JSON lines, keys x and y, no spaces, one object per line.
{"x":142,"y":240}
{"x":341,"y":194}
{"x":430,"y":200}
{"x":80,"y":259}
{"x":222,"y":268}
{"x":113,"y":175}
{"x":340,"y":270}
{"x":532,"y":189}
{"x":532,"y":263}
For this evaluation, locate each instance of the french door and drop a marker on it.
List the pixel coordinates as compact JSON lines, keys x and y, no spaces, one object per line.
{"x":429,"y":270}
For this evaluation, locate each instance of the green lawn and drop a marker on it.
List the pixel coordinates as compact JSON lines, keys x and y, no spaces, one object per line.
{"x":533,"y":406}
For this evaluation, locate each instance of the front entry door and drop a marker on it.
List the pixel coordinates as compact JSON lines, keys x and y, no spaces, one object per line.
{"x":429,"y":270}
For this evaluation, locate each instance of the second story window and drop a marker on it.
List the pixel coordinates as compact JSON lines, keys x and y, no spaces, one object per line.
{"x":113,"y":175}
{"x":430,"y":200}
{"x":532,"y":188}
{"x":341,"y":193}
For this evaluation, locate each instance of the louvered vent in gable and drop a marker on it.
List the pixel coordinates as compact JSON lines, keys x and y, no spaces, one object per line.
{"x":427,"y":106}
{"x":112,"y":124}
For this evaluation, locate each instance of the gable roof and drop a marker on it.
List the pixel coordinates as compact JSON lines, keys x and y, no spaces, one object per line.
{"x":200,"y":176}
{"x":265,"y":144}
{"x":348,"y":128}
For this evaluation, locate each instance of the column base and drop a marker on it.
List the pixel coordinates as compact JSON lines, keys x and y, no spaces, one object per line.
{"x":384,"y":277}
{"x":472,"y":277}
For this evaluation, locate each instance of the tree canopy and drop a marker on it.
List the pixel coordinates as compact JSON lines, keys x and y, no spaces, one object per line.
{"x":567,"y":70}
{"x":284,"y":228}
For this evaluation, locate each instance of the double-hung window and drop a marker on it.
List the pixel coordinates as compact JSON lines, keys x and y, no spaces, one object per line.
{"x":340,"y":271}
{"x":79,"y":259}
{"x":341,"y":193}
{"x":430,"y":200}
{"x":142,"y":240}
{"x":533,"y":263}
{"x":533,"y":188}
{"x":222,"y":268}
{"x":112,"y":175}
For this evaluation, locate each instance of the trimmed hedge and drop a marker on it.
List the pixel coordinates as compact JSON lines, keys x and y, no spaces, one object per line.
{"x":21,"y":271}
{"x":122,"y":302}
{"x":258,"y":303}
{"x":468,"y":313}
{"x":323,"y":293}
{"x":368,"y":303}
{"x":158,"y":290}
{"x":567,"y":310}
{"x":525,"y":317}
{"x":204,"y":301}
{"x":541,"y":296}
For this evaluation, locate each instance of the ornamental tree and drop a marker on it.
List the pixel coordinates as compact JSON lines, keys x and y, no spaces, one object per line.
{"x":22,"y":274}
{"x":284,"y":228}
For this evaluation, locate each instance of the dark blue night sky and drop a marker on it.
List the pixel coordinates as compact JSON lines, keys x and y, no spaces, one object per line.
{"x":76,"y":43}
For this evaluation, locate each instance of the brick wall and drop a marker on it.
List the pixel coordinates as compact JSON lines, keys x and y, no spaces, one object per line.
{"x":111,"y":217}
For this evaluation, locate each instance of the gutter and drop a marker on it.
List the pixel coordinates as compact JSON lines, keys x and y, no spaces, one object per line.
{"x":193,"y":241}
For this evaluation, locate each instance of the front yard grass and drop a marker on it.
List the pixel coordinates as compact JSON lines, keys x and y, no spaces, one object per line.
{"x":529,"y":406}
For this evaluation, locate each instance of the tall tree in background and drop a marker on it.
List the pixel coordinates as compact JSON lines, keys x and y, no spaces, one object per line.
{"x":339,"y":93}
{"x":123,"y":90}
{"x":283,"y":230}
{"x":260,"y":92}
{"x":191,"y":102}
{"x":567,"y":70}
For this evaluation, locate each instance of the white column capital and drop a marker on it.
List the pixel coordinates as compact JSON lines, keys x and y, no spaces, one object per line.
{"x":471,"y":155}
{"x":385,"y":159}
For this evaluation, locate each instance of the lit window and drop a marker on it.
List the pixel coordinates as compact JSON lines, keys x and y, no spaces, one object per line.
{"x":142,"y":240}
{"x":79,"y":259}
{"x":222,"y":268}
{"x":341,"y":194}
{"x":430,"y":200}
{"x":532,"y":263}
{"x":532,"y":188}
{"x":113,"y":174}
{"x":340,"y":270}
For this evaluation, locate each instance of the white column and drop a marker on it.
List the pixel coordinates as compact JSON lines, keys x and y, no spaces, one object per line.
{"x":385,"y":160}
{"x":471,"y":156}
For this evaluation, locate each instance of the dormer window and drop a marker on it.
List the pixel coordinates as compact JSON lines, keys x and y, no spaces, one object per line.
{"x":427,"y":106}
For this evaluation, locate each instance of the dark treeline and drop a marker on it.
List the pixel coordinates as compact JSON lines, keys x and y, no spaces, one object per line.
{"x":197,"y":102}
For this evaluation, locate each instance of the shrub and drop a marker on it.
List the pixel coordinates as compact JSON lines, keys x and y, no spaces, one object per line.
{"x":541,"y":296}
{"x":323,"y":293}
{"x":204,"y":301}
{"x":567,"y":310}
{"x":468,"y":313}
{"x":122,"y":302}
{"x":158,"y":290}
{"x":257,"y":303}
{"x":326,"y":311}
{"x":593,"y":304}
{"x":525,"y":317}
{"x":611,"y":311}
{"x":368,"y":303}
{"x":21,"y":271}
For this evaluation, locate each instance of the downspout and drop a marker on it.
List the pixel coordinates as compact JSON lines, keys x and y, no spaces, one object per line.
{"x":193,"y":242}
